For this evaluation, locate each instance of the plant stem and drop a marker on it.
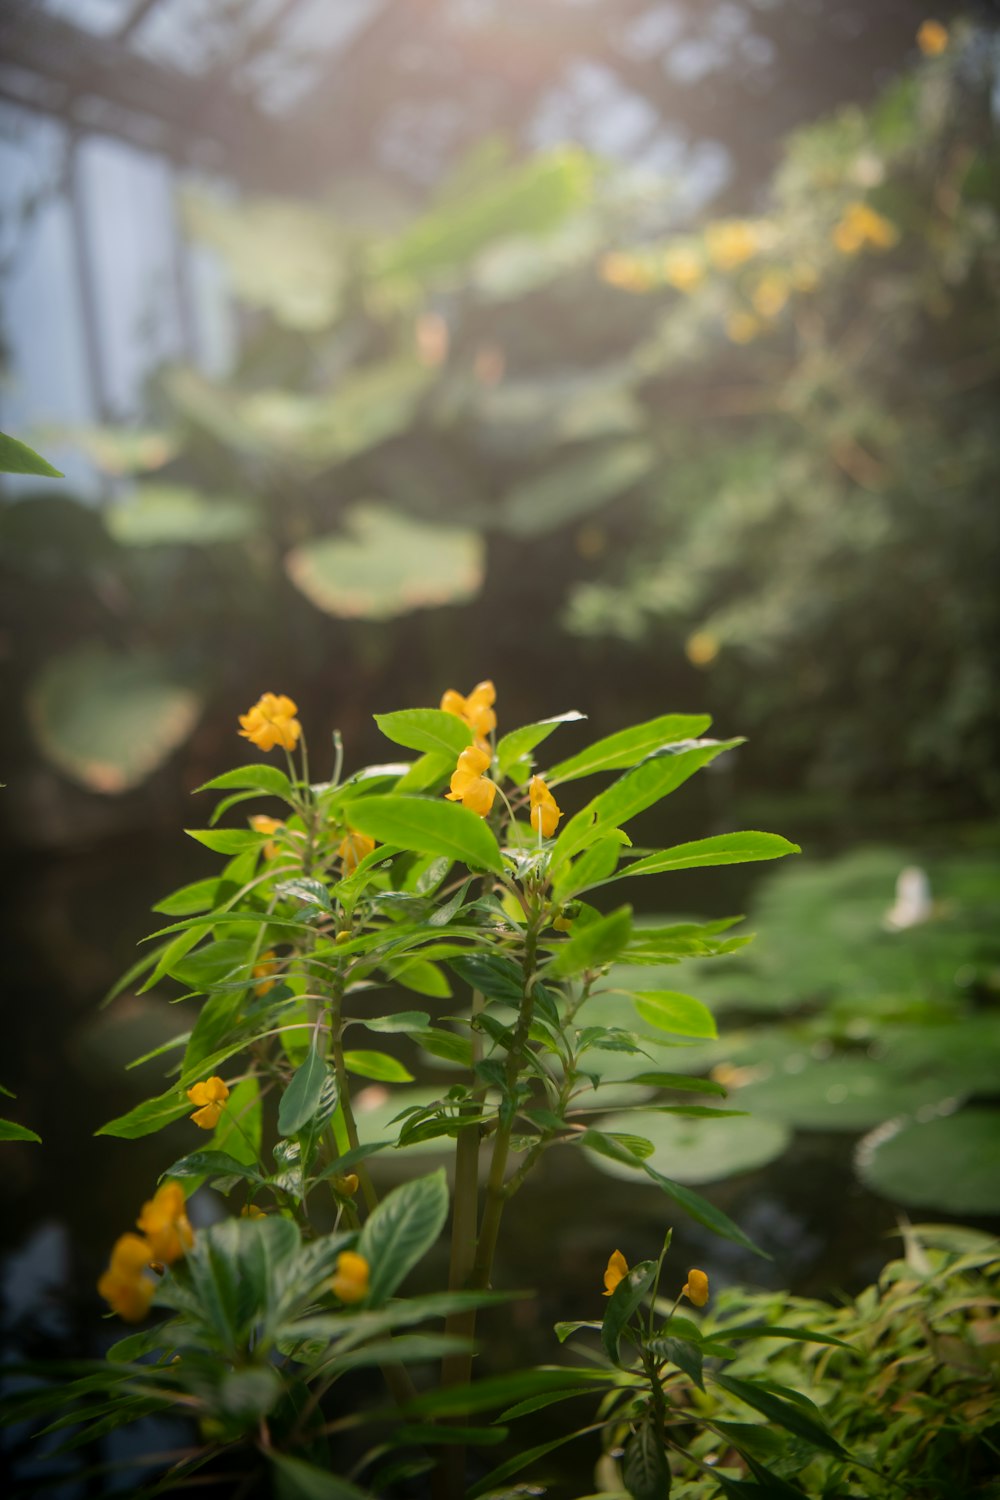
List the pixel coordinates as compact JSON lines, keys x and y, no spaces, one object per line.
{"x":344,"y":1090}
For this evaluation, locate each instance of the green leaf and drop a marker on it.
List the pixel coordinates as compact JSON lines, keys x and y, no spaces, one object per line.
{"x":256,"y":778}
{"x":514,"y":746}
{"x":109,"y":719}
{"x":774,"y":1331}
{"x":682,"y":1353}
{"x":8,"y":1130}
{"x":199,"y":896}
{"x":668,"y":1010}
{"x":788,"y":1413}
{"x":430,"y":730}
{"x":403,"y":1020}
{"x":645,"y":1470}
{"x":569,"y":488}
{"x":616,"y":752}
{"x":700,"y":1149}
{"x":294,"y":1479}
{"x":593,"y":945}
{"x":17,"y":458}
{"x":486,"y":1487}
{"x":301,"y":1098}
{"x":429,"y":828}
{"x":724,"y":849}
{"x":387,"y":565}
{"x":401,"y":1230}
{"x":210,"y":1164}
{"x":151,"y":1115}
{"x":642,"y":787}
{"x":952,"y":1163}
{"x":625,"y":1300}
{"x":225,"y":840}
{"x":377,"y":1065}
{"x":683,"y":1081}
{"x":174,"y":515}
{"x":594,"y":866}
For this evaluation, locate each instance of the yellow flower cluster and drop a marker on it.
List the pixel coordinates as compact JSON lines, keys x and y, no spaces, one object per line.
{"x":352,"y":849}
{"x":545,"y":810}
{"x":468,"y":784}
{"x":859,"y":226}
{"x":350,"y":1277}
{"x":476,"y":709}
{"x":272,"y":722}
{"x":211,"y":1096}
{"x":126,"y":1285}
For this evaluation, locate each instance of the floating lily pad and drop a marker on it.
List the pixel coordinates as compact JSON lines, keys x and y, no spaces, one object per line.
{"x":108,"y":719}
{"x":848,"y":1093}
{"x":174,"y":515}
{"x":387,"y":565}
{"x":950,"y":1164}
{"x":698,"y":1150}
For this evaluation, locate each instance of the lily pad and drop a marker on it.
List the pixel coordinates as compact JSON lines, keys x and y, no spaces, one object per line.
{"x":848,"y":1093}
{"x":173,"y":515}
{"x":698,"y":1150}
{"x":951,"y":1163}
{"x":387,"y":565}
{"x":108,"y":719}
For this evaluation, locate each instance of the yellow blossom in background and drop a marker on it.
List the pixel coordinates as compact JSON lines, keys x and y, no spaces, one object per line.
{"x":742,"y":327}
{"x":468,"y":784}
{"x":476,"y":709}
{"x":861,"y":225}
{"x":265,"y":973}
{"x":272,"y":722}
{"x":350,"y":1277}
{"x":124,"y":1285}
{"x":770,"y":294}
{"x":251,"y":1211}
{"x":731,"y":242}
{"x":682,"y":268}
{"x":932,"y":38}
{"x":626,"y":272}
{"x":211,"y":1096}
{"x":347,"y":1185}
{"x":545,"y":810}
{"x":615,"y":1271}
{"x":352,"y":849}
{"x":695,"y":1289}
{"x":701,"y":649}
{"x":164,"y":1222}
{"x":261,"y":823}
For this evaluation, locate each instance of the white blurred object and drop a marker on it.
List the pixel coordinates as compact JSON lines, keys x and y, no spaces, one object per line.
{"x":913,"y":903}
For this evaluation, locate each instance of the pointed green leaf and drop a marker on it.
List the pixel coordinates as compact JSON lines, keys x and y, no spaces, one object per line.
{"x":152,"y":1114}
{"x":255,"y":778}
{"x":429,"y":730}
{"x":400,"y":1232}
{"x":17,"y":458}
{"x":377,"y":1065}
{"x":668,"y":1010}
{"x":724,"y":849}
{"x":11,"y":1132}
{"x":514,"y":746}
{"x":594,"y":945}
{"x":625,"y":1300}
{"x":787,"y":1412}
{"x":644,"y":1467}
{"x":429,"y":827}
{"x":301,"y":1098}
{"x":616,"y":752}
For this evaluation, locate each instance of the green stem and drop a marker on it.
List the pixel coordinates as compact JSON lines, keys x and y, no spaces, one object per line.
{"x":344,"y":1091}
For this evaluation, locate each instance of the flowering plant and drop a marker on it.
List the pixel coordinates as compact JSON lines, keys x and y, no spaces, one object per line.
{"x":459,"y":866}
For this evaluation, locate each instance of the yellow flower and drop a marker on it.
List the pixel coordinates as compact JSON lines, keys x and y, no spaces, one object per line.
{"x":730,"y":242}
{"x":860,"y":225}
{"x":211,"y":1095}
{"x":545,"y":810}
{"x":125,"y":1286}
{"x":347,"y":1185}
{"x":476,"y":709}
{"x":164,"y":1222}
{"x":742,"y":327}
{"x":626,"y":272}
{"x":272,"y":722}
{"x":701,"y":648}
{"x":932,"y":38}
{"x":770,"y":294}
{"x":251,"y":1211}
{"x":261,"y":823}
{"x":263,"y":971}
{"x":695,"y":1289}
{"x":616,"y":1270}
{"x":350,"y":1277}
{"x":353,"y":848}
{"x":682,"y":268}
{"x":468,"y":785}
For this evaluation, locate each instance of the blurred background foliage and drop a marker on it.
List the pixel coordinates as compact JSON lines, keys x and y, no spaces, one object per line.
{"x":541,"y":416}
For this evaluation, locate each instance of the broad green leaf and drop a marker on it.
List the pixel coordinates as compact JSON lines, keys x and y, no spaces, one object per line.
{"x":257,"y":778}
{"x":401,"y":1230}
{"x":513,"y":747}
{"x":377,"y":1065}
{"x":786,"y":1412}
{"x":616,"y":752}
{"x":17,"y":458}
{"x":387,"y":565}
{"x":642,"y":787}
{"x":625,"y":1300}
{"x":301,"y":1098}
{"x":952,"y":1162}
{"x":668,"y":1010}
{"x":211,"y":1164}
{"x":682,"y":1353}
{"x":8,"y":1130}
{"x":699,"y":1148}
{"x":594,"y":945}
{"x":430,"y":730}
{"x":109,"y":719}
{"x":644,"y":1467}
{"x":444,"y":1044}
{"x":429,"y":827}
{"x":725,"y":849}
